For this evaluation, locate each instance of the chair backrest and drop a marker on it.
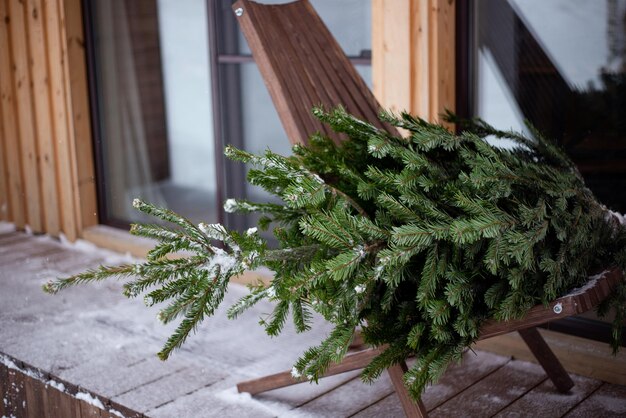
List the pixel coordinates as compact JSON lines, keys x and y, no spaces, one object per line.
{"x":303,"y":66}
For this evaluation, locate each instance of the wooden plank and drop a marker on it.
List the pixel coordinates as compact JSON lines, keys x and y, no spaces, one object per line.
{"x":413,"y":55}
{"x":457,"y":378}
{"x":495,"y":392}
{"x":66,"y":158}
{"x":279,"y":380}
{"x":578,"y":355}
{"x":4,"y":187}
{"x":543,"y":400}
{"x":9,"y":122}
{"x":420,"y":69}
{"x":84,"y":187}
{"x":608,"y":401}
{"x":16,"y":396}
{"x":24,"y":106}
{"x":442,"y":57}
{"x":41,"y":83}
{"x":574,"y":303}
{"x":34,"y":391}
{"x":4,"y":389}
{"x":347,"y":399}
{"x":391,"y":53}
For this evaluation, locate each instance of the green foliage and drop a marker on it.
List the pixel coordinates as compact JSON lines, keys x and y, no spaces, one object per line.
{"x":416,"y":240}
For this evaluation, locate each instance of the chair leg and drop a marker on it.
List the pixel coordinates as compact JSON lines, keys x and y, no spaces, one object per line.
{"x":542,"y":352}
{"x":412,"y":409}
{"x":350,"y":362}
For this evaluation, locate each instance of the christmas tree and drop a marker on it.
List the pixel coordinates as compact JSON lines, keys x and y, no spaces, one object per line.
{"x":415,"y":239}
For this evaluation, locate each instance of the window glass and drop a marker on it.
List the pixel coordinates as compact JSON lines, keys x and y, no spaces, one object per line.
{"x":154,"y":106}
{"x":560,"y":64}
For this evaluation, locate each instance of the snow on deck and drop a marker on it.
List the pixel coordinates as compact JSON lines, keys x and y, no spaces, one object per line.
{"x":104,"y":346}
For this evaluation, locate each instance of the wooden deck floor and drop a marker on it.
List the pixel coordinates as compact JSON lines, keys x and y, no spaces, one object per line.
{"x":96,"y":342}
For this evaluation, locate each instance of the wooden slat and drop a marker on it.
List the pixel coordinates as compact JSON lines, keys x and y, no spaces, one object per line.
{"x":279,"y":380}
{"x":304,"y":66}
{"x":493,"y":393}
{"x":391,"y":53}
{"x":34,"y":392}
{"x":15,"y":191}
{"x":421,"y":69}
{"x":352,"y":84}
{"x":276,"y":38}
{"x":281,"y":97}
{"x":24,"y":106}
{"x":608,"y":401}
{"x":442,"y":72}
{"x":4,"y":187}
{"x":78,"y":104}
{"x":572,"y":304}
{"x":41,"y":82}
{"x":66,"y":158}
{"x":413,"y":55}
{"x":558,"y":405}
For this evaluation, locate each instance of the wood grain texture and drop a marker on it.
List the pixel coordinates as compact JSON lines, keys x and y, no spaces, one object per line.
{"x":413,"y":55}
{"x":41,"y":82}
{"x":351,"y":362}
{"x":571,"y":304}
{"x":303,"y":66}
{"x":4,"y":187}
{"x":24,"y":395}
{"x":15,"y":188}
{"x":79,"y":120}
{"x":22,"y":84}
{"x":63,"y":134}
{"x":47,"y":162}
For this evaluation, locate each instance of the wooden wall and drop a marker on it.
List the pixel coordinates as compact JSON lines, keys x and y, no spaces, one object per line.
{"x":413,"y":55}
{"x":46,"y":162}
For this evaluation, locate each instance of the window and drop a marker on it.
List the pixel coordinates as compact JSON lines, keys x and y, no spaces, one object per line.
{"x":172,"y":83}
{"x":561,"y":65}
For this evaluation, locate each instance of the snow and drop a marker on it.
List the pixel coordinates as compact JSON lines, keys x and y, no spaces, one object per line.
{"x":221,"y":259}
{"x":295,"y":373}
{"x":58,"y":386}
{"x":621,"y":220}
{"x":7,"y":362}
{"x":6,"y":227}
{"x":84,"y":396}
{"x":593,"y":280}
{"x":116,"y":413}
{"x":231,"y":395}
{"x":110,"y":257}
{"x":251,"y":231}
{"x":230,"y":205}
{"x":360,"y":288}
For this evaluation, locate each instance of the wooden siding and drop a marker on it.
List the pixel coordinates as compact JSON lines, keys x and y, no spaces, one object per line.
{"x":413,"y":55}
{"x":46,"y":162}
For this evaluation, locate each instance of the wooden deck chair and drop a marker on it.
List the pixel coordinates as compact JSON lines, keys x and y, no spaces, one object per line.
{"x":304,"y":66}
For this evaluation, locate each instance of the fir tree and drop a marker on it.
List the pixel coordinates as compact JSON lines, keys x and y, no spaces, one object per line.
{"x":416,"y":240}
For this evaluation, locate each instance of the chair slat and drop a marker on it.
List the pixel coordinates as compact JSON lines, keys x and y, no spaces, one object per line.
{"x":303,"y":66}
{"x":574,"y":303}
